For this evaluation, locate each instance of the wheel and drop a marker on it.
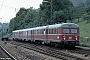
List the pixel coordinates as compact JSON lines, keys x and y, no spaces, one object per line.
{"x":52,"y":44}
{"x":57,"y":45}
{"x":62,"y":45}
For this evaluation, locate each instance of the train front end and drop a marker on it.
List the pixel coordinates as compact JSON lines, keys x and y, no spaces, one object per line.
{"x":70,"y":34}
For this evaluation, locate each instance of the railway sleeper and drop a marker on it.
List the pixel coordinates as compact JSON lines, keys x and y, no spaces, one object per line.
{"x":38,"y":42}
{"x":55,"y":44}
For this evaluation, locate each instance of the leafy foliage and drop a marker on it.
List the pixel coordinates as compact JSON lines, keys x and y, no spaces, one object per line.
{"x":62,"y":10}
{"x":86,"y":16}
{"x":24,"y":19}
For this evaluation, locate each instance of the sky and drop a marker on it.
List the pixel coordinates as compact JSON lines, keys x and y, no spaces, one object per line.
{"x":9,"y":8}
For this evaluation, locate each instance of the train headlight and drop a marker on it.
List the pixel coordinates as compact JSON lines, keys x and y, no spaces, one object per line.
{"x":58,"y":37}
{"x":76,"y":37}
{"x":64,"y":37}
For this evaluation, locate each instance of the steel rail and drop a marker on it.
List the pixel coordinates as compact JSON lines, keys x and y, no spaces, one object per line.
{"x":12,"y":57}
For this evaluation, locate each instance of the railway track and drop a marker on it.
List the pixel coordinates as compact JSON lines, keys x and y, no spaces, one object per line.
{"x":4,"y":55}
{"x":85,"y":52}
{"x":48,"y":51}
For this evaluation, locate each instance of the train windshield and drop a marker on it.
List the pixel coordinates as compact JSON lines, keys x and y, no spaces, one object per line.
{"x":66,"y":30}
{"x":69,"y":30}
{"x":73,"y":30}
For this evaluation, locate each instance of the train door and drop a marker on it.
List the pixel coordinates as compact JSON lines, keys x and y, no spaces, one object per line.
{"x":46,"y":32}
{"x":19,"y":35}
{"x":32,"y":35}
{"x":27,"y":35}
{"x":13,"y":35}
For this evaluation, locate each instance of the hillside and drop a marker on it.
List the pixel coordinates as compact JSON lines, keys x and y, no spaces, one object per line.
{"x":84,"y":33}
{"x":84,"y":29}
{"x":80,"y":2}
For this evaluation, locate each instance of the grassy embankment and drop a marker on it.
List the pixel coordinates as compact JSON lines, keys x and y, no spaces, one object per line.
{"x":84,"y":32}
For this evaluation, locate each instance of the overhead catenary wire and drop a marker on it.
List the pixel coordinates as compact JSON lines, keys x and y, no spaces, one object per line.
{"x":2,"y":5}
{"x":11,"y":7}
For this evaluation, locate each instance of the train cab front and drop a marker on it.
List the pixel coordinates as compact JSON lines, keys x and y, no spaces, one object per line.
{"x":70,"y":35}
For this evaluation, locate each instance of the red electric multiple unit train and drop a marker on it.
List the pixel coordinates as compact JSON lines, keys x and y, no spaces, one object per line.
{"x":61,"y":35}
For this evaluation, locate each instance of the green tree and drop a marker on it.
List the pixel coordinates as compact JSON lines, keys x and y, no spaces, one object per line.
{"x":59,"y":16}
{"x":25,"y":18}
{"x":58,"y":6}
{"x":76,"y":12}
{"x":79,"y":11}
{"x":86,"y":16}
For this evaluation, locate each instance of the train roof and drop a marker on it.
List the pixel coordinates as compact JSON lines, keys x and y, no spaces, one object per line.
{"x":41,"y":27}
{"x":72,"y":25}
{"x":36,"y":28}
{"x":23,"y":30}
{"x":16,"y":30}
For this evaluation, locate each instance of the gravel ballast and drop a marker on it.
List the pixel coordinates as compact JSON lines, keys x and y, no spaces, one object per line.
{"x":21,"y":53}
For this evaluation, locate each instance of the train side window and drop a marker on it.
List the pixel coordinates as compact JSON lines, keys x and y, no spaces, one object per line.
{"x":59,"y":30}
{"x":38,"y":31}
{"x":29,"y":32}
{"x":35,"y":31}
{"x":24,"y":32}
{"x":49,"y":31}
{"x":46,"y":31}
{"x":42,"y":31}
{"x":54,"y":31}
{"x":17,"y":34}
